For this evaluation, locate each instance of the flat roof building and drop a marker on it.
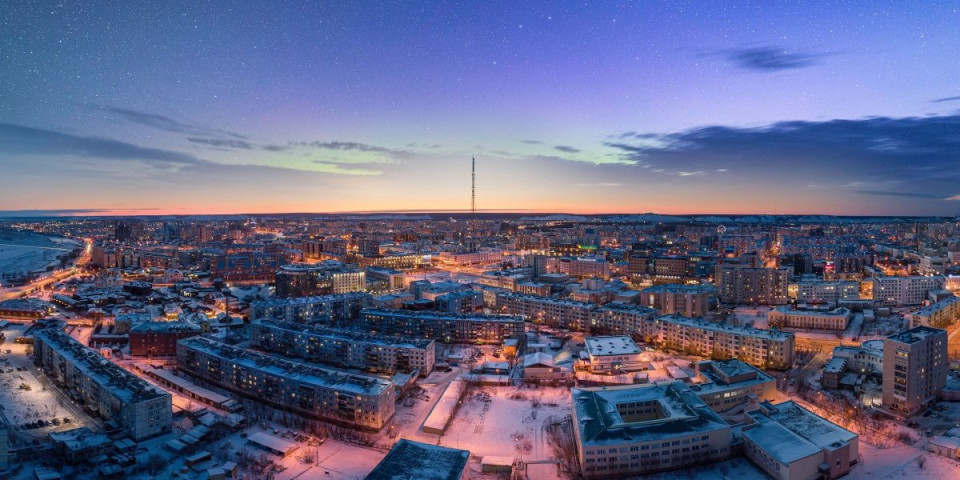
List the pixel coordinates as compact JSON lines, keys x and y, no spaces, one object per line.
{"x":613,"y":355}
{"x":102,"y":387}
{"x":914,"y":368}
{"x":442,"y":327}
{"x":414,"y":460}
{"x":637,"y":430}
{"x":324,"y":393}
{"x":789,"y":442}
{"x":345,"y":348}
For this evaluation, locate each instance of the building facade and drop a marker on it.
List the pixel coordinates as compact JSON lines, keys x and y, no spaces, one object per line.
{"x":101,"y":387}
{"x":442,"y":327}
{"x":915,"y":368}
{"x":377,"y":353}
{"x":322,"y":393}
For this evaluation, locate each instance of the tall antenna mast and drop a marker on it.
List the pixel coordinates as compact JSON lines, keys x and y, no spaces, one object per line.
{"x":473,"y":185}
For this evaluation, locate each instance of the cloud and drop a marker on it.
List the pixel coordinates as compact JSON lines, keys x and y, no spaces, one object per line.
{"x":953,"y":198}
{"x":690,"y":174}
{"x":21,"y":140}
{"x":899,"y":154}
{"x":161,"y":122}
{"x":598,"y":185}
{"x":347,"y":146}
{"x":770,"y":58}
{"x":532,"y":142}
{"x":566,"y":149}
{"x":224,"y":143}
{"x":341,"y":169}
{"x":902,"y":194}
{"x":946,"y":99}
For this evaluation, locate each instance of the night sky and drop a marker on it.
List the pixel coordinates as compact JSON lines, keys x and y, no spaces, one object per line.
{"x":581,"y":107}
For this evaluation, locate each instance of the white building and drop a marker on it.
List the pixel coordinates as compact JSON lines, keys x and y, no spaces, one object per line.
{"x":904,"y":291}
{"x":818,"y":291}
{"x":941,"y":314}
{"x":613,"y":355}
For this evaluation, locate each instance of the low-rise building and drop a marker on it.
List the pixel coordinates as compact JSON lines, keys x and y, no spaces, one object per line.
{"x":788,"y":442}
{"x":408,"y":460}
{"x":642,"y":429}
{"x":613,"y":355}
{"x":726,"y":384}
{"x":833,"y":371}
{"x":335,"y":309}
{"x":810,"y":318}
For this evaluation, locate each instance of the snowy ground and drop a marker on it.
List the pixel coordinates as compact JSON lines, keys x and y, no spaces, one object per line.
{"x":24,"y":252}
{"x":508,"y":422}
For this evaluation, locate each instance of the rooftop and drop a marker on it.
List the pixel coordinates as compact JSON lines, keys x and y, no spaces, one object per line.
{"x":282,"y":367}
{"x":123,"y":384}
{"x":915,"y":335}
{"x":681,"y":412}
{"x":414,"y":460}
{"x":679,"y":319}
{"x":443,"y":316}
{"x":348,"y":335}
{"x":619,"y":345}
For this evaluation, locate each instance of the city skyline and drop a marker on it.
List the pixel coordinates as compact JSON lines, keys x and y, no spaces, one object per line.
{"x":676,"y":109}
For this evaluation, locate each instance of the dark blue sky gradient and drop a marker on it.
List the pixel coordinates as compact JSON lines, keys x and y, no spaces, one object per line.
{"x":569,"y":106}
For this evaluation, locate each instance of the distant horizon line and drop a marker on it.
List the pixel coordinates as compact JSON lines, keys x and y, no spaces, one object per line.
{"x":156,"y":212}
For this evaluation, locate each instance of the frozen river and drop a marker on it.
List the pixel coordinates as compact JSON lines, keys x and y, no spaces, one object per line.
{"x":25,"y":252}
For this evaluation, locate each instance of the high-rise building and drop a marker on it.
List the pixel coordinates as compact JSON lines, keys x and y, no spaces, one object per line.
{"x":914,"y":368}
{"x":752,"y":285}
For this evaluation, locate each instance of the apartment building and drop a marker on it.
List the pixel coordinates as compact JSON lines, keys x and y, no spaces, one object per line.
{"x":546,"y":311}
{"x":820,"y":292}
{"x":322,"y":393}
{"x":620,"y":318}
{"x":345,"y":348}
{"x":941,"y":314}
{"x":914,"y":368}
{"x":904,"y":291}
{"x":442,"y":327}
{"x":100,"y":386}
{"x":688,"y":300}
{"x":337,"y":309}
{"x":744,"y":285}
{"x":762,"y":348}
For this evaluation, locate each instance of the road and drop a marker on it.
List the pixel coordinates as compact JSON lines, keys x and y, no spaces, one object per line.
{"x":16,"y":292}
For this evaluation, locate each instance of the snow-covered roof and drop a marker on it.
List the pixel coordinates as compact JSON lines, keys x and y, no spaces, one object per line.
{"x":681,"y":412}
{"x":614,"y":345}
{"x":538,"y":358}
{"x":408,"y":459}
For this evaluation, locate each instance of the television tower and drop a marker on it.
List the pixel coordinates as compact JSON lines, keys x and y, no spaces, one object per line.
{"x":473,"y":186}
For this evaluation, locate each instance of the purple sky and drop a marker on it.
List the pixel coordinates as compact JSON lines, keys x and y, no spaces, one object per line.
{"x":674,"y":107}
